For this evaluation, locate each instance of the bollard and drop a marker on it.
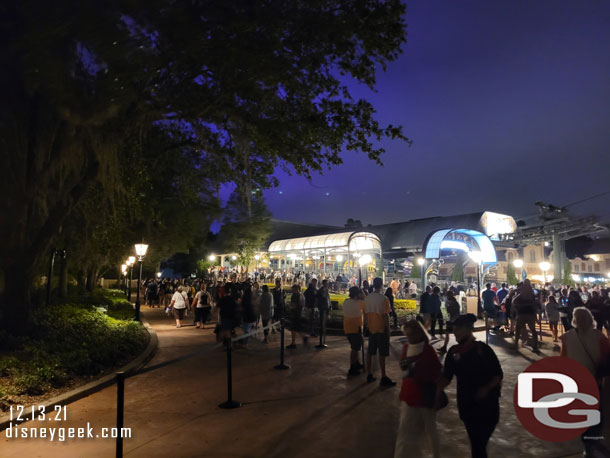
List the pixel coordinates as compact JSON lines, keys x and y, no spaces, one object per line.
{"x":120,"y":405}
{"x":281,"y":365}
{"x":363,"y":358}
{"x":322,"y":331}
{"x":230,"y":403}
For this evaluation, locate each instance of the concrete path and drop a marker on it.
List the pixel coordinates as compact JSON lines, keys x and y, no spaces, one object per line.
{"x":311,"y":410}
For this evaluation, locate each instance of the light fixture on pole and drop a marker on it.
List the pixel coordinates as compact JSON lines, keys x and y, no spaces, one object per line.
{"x":477,"y":257}
{"x":420,"y":263}
{"x":363,"y":260}
{"x":212,"y":257}
{"x":130,"y":262}
{"x":141,"y":249}
{"x":124,"y":272}
{"x":159,"y":275}
{"x":544,"y":266}
{"x":257,"y":258}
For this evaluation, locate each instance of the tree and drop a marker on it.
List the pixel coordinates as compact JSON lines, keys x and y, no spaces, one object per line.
{"x":245,"y":228}
{"x":567,"y":273}
{"x":511,"y":277}
{"x":353,"y":224}
{"x":458,"y":271}
{"x":248,"y":86}
{"x":415,"y":271}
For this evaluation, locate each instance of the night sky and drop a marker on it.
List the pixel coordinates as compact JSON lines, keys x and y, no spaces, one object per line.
{"x":507,"y":102}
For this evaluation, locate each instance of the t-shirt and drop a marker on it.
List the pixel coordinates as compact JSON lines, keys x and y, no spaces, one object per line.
{"x":352,"y":316}
{"x":376,"y":307}
{"x":488,"y":299}
{"x":501,"y":294}
{"x":474,"y":364}
{"x":179,"y":300}
{"x":202,"y":299}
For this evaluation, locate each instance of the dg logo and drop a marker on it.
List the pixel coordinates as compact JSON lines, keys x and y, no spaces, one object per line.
{"x":557,"y":399}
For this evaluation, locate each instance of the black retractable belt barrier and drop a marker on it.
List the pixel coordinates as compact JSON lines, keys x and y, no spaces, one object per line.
{"x":120,"y":404}
{"x":281,"y":365}
{"x":322,"y":331}
{"x":229,"y":403}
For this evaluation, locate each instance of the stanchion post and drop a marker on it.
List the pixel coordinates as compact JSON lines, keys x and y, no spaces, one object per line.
{"x":281,"y":365}
{"x":363,"y":358}
{"x":120,"y":409}
{"x":230,"y":403}
{"x":486,"y":328}
{"x":322,"y":330}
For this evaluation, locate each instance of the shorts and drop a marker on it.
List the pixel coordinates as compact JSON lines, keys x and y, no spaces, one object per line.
{"x":379,"y":341}
{"x":179,"y":313}
{"x":355,"y":341}
{"x":202,"y":314}
{"x":491,"y":312}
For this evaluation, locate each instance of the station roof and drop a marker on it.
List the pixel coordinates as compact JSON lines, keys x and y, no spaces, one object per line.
{"x":412,"y":235}
{"x":354,"y":241}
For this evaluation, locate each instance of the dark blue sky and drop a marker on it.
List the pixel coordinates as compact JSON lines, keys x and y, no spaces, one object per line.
{"x":507,"y":102}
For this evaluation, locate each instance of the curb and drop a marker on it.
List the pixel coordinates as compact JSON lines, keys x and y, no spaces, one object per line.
{"x":96,"y":385}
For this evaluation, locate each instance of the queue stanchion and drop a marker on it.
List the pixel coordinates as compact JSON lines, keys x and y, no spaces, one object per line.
{"x":120,"y":410}
{"x":322,"y":330}
{"x":281,"y":365}
{"x":363,"y":358}
{"x":230,"y":403}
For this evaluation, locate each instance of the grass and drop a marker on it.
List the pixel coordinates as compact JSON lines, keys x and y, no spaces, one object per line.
{"x":83,"y":336}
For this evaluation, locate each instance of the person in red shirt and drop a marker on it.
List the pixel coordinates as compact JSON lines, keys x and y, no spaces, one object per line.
{"x":421,"y":371}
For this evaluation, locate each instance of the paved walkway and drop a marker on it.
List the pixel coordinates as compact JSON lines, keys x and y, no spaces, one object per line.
{"x":311,"y":410}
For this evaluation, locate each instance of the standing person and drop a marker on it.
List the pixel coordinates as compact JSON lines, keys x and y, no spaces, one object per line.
{"x":266,"y":310}
{"x":479,"y":380}
{"x":178,"y":304}
{"x":413,"y":289}
{"x":453,"y":310}
{"x":295,"y":316}
{"x":422,"y":369}
{"x":525,"y":306}
{"x":394,"y":285}
{"x":248,"y":317}
{"x":203,"y":306}
{"x":552,"y":313}
{"x":389,"y":293}
{"x":310,"y":303}
{"x":434,"y":309}
{"x":324,"y":305}
{"x":573,"y":302}
{"x":279,"y":302}
{"x":256,"y":300}
{"x":588,"y":345}
{"x":365,"y":287}
{"x":377,"y":308}
{"x":489,"y":305}
{"x":596,"y":305}
{"x":423,"y":306}
{"x":502,"y":315}
{"x":353,"y":309}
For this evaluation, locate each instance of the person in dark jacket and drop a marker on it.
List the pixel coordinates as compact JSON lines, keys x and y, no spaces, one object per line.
{"x":423,"y":306}
{"x":479,"y":381}
{"x":279,"y":300}
{"x":310,"y":304}
{"x":434,"y":308}
{"x":389,"y":293}
{"x":248,"y":313}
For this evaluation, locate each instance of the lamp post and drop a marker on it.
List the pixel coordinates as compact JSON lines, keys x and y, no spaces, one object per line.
{"x":130,"y":262}
{"x":141,"y":249}
{"x":124,"y":273}
{"x":544,"y":266}
{"x":362,"y":261}
{"x":257,"y":258}
{"x":518,"y":263}
{"x":477,"y":257}
{"x":420,"y":263}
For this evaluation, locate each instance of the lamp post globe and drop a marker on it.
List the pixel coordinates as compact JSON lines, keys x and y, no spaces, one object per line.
{"x":141,"y":249}
{"x":518,"y":263}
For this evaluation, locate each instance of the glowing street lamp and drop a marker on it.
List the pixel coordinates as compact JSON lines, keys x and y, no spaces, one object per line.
{"x":421,"y":261}
{"x":212,"y":257}
{"x":129,"y":263}
{"x":339,"y":258}
{"x":544,"y":266}
{"x":159,"y":275}
{"x":141,"y":249}
{"x":362,"y":261}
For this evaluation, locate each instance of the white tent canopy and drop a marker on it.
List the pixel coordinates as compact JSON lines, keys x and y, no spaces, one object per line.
{"x":342,"y":241}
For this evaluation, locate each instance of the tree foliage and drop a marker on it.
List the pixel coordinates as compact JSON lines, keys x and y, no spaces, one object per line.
{"x":458,"y":270}
{"x":511,"y":277}
{"x":194,"y":94}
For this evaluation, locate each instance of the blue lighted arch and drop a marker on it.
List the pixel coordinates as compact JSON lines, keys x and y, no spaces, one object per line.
{"x":436,"y":242}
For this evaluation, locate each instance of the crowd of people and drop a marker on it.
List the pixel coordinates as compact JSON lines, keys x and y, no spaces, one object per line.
{"x":368,"y":312}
